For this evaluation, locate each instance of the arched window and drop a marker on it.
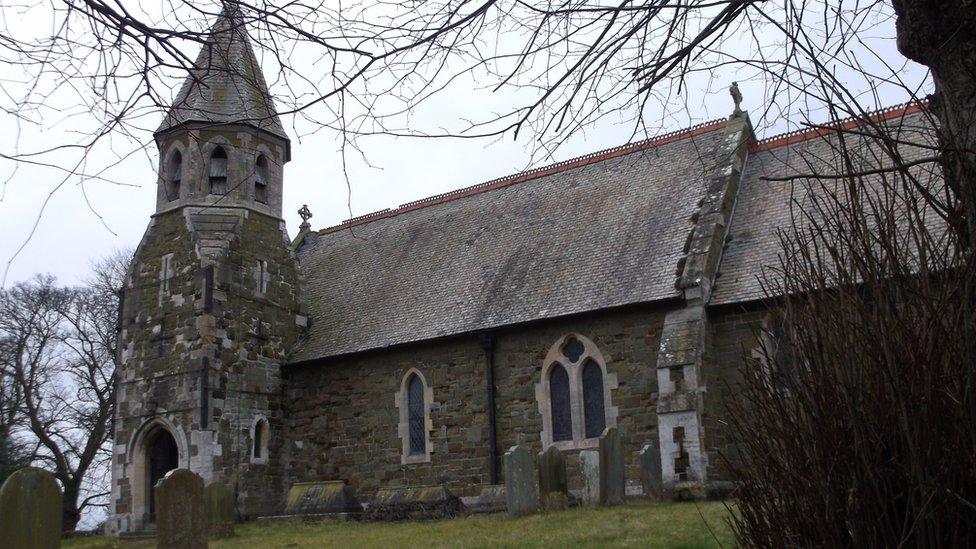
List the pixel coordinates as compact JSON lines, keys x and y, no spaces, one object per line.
{"x":415,"y":407}
{"x":562,"y":415}
{"x":261,"y":179}
{"x":414,"y":400}
{"x":259,"y":448}
{"x":174,"y":175}
{"x":574,"y":394}
{"x":218,"y":171}
{"x":594,"y":413}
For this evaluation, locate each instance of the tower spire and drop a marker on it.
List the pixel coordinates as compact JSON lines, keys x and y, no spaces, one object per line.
{"x":226,"y":85}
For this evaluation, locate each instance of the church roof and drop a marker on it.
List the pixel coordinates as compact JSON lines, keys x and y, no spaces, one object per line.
{"x":763,"y":207}
{"x":601,"y":231}
{"x":227,"y":84}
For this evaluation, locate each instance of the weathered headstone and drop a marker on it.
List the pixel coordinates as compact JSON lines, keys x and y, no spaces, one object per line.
{"x":219,"y":501}
{"x":553,"y":488}
{"x":590,"y":465}
{"x":329,"y":497}
{"x":30,"y":510}
{"x":521,"y":493}
{"x":611,"y":468}
{"x":649,"y":458}
{"x":180,"y":516}
{"x":414,"y":503}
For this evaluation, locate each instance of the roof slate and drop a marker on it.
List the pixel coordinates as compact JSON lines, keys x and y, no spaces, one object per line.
{"x":764,"y":207}
{"x":227,"y":84}
{"x":601,"y":234}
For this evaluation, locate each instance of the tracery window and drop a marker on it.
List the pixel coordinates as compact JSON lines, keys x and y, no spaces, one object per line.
{"x":574,"y":394}
{"x":218,"y":171}
{"x":414,"y":401}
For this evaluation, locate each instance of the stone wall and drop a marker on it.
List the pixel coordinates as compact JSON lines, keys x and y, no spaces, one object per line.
{"x":342,"y":416}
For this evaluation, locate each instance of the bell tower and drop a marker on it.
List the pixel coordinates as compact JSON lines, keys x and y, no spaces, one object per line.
{"x":211,"y":303}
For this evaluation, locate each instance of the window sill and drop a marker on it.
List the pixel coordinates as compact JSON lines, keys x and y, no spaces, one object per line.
{"x":581,"y":444}
{"x":414,"y":459}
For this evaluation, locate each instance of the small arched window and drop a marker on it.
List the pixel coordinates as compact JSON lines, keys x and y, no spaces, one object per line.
{"x":218,"y":171}
{"x":259,"y":451}
{"x":594,"y":413}
{"x":414,"y":401}
{"x":562,"y":415}
{"x":415,"y":407}
{"x":174,"y":175}
{"x":261,"y":179}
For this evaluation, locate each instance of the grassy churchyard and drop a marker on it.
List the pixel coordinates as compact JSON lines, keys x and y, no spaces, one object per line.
{"x":684,"y":525}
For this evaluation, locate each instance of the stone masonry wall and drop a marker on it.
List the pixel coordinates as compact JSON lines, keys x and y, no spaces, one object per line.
{"x":342,"y":417}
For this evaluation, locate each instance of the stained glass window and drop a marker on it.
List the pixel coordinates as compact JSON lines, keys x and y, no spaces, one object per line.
{"x":415,"y":408}
{"x":593,"y":411}
{"x":562,"y":420}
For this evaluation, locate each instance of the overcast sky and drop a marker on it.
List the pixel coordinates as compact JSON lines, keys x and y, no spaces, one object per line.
{"x":86,"y":220}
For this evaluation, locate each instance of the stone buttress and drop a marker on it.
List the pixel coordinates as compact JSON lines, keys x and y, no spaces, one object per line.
{"x":685,"y":334}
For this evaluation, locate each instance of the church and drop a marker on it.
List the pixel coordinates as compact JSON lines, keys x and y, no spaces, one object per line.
{"x":413,"y":346}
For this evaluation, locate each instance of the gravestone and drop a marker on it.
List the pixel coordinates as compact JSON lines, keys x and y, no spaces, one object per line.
{"x":650,"y":470}
{"x":611,"y":468}
{"x":553,"y":488}
{"x":330,"y":497}
{"x":30,"y":510}
{"x":181,"y":519}
{"x":590,"y":465}
{"x":414,"y":503}
{"x":219,"y":501}
{"x":521,"y":494}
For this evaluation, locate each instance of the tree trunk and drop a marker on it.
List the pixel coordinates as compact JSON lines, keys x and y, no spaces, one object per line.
{"x":70,"y":515}
{"x":940,"y":35}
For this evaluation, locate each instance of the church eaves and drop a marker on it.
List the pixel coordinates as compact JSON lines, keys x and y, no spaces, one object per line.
{"x":226,"y":85}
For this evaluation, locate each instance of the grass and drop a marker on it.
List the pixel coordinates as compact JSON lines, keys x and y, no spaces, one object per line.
{"x":675,"y":525}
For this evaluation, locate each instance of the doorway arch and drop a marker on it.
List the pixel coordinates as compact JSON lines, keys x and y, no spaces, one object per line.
{"x":158,"y":448}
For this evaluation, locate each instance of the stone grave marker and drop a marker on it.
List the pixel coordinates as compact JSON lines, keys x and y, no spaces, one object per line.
{"x":181,"y":519}
{"x":590,"y":466}
{"x":611,"y":468}
{"x":30,"y":510}
{"x":650,"y":470}
{"x":553,"y":488}
{"x":219,"y":501}
{"x":521,"y":493}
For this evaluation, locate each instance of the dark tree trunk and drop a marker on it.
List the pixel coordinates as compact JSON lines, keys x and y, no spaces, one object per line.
{"x":941,"y":34}
{"x":70,"y":515}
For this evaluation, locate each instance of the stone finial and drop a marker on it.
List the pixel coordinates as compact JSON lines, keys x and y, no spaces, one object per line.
{"x":736,"y":98}
{"x":305,"y":214}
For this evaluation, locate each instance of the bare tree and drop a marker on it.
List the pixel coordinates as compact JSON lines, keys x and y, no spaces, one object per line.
{"x":61,"y":345}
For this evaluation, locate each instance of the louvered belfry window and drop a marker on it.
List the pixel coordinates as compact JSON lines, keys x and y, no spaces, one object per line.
{"x":562,"y":418}
{"x":174,"y":174}
{"x":261,"y":179}
{"x":218,"y":171}
{"x":415,"y":409}
{"x":594,"y":413}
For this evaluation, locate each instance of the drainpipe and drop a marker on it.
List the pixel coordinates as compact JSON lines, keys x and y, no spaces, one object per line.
{"x":488,"y":345}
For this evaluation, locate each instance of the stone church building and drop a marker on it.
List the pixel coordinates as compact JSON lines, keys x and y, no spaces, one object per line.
{"x":413,"y":346}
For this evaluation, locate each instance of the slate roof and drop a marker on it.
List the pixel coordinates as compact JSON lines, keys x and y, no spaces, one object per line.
{"x":763,"y":206}
{"x":602,"y":231}
{"x":227,"y":84}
